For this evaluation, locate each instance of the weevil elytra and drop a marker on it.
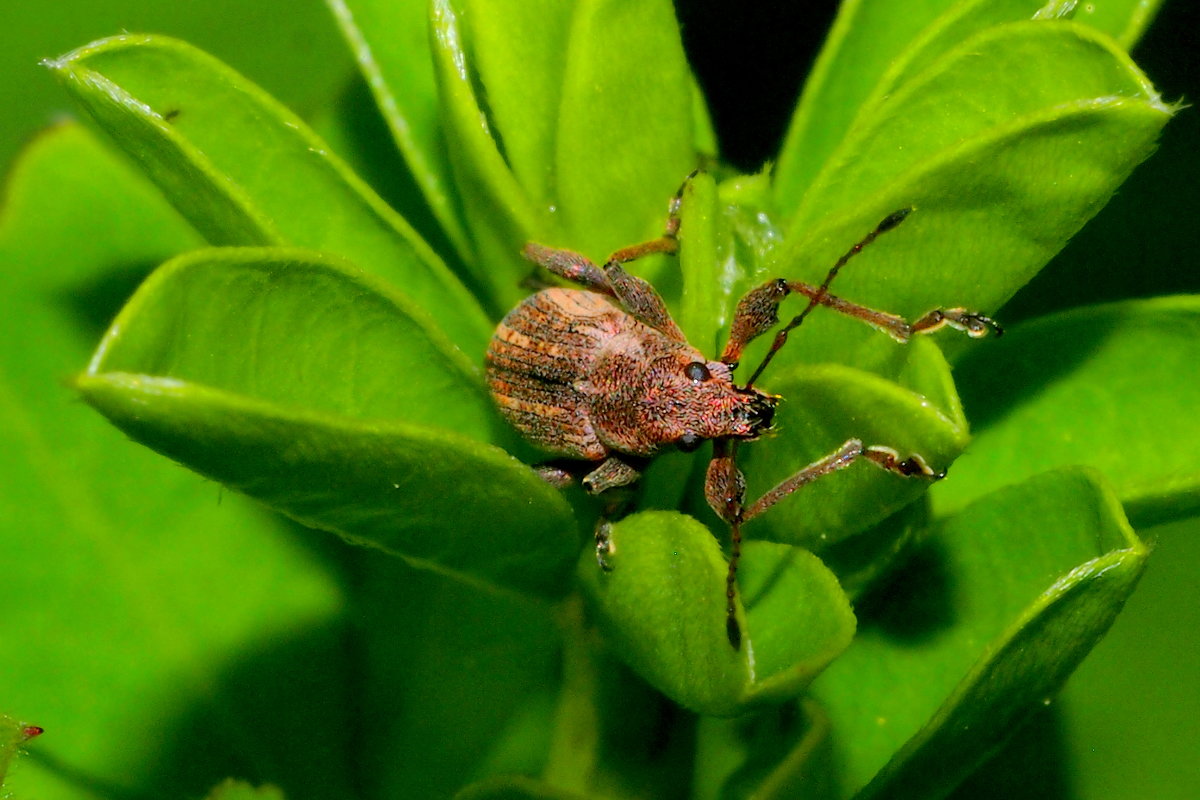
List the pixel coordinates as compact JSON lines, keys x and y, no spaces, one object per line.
{"x":603,"y":376}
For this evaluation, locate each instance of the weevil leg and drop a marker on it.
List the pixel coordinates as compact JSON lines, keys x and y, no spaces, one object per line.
{"x":560,"y":475}
{"x":642,"y":301}
{"x":725,"y":491}
{"x":604,"y":543}
{"x":617,"y":502}
{"x":568,"y":264}
{"x":761,"y":305}
{"x":638,"y":297}
{"x":758,"y":311}
{"x":973,"y":324}
{"x":614,"y":471}
{"x":668,"y":242}
{"x":614,"y":478}
{"x":883,"y":457}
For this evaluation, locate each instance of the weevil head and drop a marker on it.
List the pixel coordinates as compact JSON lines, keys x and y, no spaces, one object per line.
{"x":707,"y":404}
{"x":677,"y":397}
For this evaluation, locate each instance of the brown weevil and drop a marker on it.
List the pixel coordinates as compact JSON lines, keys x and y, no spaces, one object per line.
{"x":603,"y":376}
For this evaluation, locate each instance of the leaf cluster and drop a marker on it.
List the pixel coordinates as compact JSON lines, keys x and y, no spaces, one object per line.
{"x":304,"y":344}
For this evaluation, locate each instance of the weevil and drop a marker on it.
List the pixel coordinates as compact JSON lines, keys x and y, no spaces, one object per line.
{"x":603,"y":377}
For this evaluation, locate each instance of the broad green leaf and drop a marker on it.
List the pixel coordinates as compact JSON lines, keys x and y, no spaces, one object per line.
{"x":823,"y":407}
{"x":298,"y":329}
{"x":390,"y":41}
{"x":999,"y":181}
{"x":352,"y":126}
{"x":1131,"y":714}
{"x":625,"y":137}
{"x":704,"y":244}
{"x":240,"y":790}
{"x":1112,"y":387}
{"x":663,"y":609}
{"x":244,"y":170}
{"x":862,"y":560}
{"x":500,"y":213}
{"x":764,"y":755}
{"x":995,"y":609}
{"x":456,"y":683}
{"x":516,"y":787}
{"x":1125,"y":21}
{"x":323,"y":398}
{"x":874,"y":44}
{"x":519,"y":49}
{"x":154,"y":619}
{"x":1125,"y":726}
{"x":436,"y":499}
{"x":262,"y":45}
{"x":932,"y":112}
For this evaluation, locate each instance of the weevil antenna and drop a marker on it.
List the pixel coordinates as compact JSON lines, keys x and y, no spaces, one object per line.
{"x":888,"y":223}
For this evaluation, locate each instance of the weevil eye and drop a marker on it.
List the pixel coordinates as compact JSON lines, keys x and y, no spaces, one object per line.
{"x":689,"y":441}
{"x":697,"y":371}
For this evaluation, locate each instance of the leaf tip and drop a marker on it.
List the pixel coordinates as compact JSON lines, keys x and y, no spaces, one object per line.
{"x":54,"y":64}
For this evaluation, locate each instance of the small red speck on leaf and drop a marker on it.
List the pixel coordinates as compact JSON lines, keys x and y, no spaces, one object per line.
{"x":31,"y":731}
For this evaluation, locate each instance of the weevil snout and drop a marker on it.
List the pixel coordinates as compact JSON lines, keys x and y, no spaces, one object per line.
{"x":760,"y":411}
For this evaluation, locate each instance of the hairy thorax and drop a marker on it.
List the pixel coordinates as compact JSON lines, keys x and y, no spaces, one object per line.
{"x":582,"y":378}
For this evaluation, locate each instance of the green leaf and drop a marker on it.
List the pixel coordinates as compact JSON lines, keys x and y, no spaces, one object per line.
{"x":1125,"y":21}
{"x":1112,"y":387}
{"x":516,"y":787}
{"x":359,"y":426}
{"x":551,"y":138}
{"x":929,"y":114}
{"x":13,"y":735}
{"x":186,"y":608}
{"x":298,"y":329}
{"x":704,"y":245}
{"x":499,"y":212}
{"x":762,"y":755}
{"x":663,"y":609}
{"x":390,"y":41}
{"x":1125,"y":726}
{"x":825,"y":406}
{"x":437,"y":499}
{"x":244,"y":170}
{"x":453,"y":681}
{"x":1000,"y":177}
{"x":625,"y":139}
{"x":993,"y":613}
{"x":263,"y":45}
{"x":520,"y":48}
{"x":231,"y":789}
{"x":874,"y":45}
